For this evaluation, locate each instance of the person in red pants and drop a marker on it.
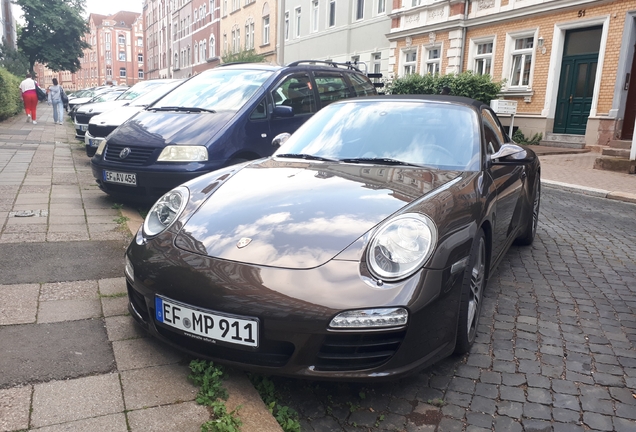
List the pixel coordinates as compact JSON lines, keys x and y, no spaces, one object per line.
{"x":30,"y":98}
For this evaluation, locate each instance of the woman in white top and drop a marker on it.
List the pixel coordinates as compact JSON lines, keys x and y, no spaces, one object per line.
{"x":30,"y":97}
{"x":55,"y":97}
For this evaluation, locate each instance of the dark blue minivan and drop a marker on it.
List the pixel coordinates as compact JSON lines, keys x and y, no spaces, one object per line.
{"x":220,"y":117}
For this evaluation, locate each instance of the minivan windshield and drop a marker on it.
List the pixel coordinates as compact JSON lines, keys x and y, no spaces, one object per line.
{"x":154,"y":94}
{"x":219,"y":89}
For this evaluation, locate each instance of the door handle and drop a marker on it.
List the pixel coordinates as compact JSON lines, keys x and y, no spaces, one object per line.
{"x":570,"y":98}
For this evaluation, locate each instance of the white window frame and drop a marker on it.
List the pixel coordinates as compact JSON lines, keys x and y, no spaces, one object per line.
{"x":286,"y":21}
{"x":511,"y":52}
{"x":407,"y":63}
{"x":315,"y":15}
{"x":140,"y":58}
{"x":140,"y":73}
{"x":297,"y":18}
{"x":331,"y":13}
{"x":121,"y":56}
{"x":473,"y":55}
{"x":427,"y":61}
{"x":359,"y":10}
{"x":266,"y":30}
{"x":381,"y":7}
{"x":122,"y":72}
{"x":212,"y":46}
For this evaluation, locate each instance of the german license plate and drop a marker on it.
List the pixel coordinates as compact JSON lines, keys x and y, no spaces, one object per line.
{"x":119,"y":177}
{"x":94,"y":142}
{"x":84,"y":128}
{"x":207,"y":325}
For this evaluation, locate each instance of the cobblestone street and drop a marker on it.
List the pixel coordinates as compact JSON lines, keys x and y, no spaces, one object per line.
{"x":555,"y":351}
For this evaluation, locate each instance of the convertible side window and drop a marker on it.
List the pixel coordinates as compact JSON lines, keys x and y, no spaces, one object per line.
{"x":493,"y":134}
{"x":296,"y":91}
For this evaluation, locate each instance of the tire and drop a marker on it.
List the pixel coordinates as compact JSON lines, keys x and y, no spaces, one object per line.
{"x":530,"y":230}
{"x":472,"y":295}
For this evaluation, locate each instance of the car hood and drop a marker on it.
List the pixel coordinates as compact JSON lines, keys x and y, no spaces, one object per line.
{"x":158,"y":128}
{"x":101,"y":107}
{"x":79,"y":101}
{"x":300,"y":215}
{"x":115,"y":117}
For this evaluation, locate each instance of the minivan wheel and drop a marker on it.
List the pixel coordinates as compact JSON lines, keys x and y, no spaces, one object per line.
{"x":472,"y":295}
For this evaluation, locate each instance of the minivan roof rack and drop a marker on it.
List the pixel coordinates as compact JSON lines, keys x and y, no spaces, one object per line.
{"x":347,"y":65}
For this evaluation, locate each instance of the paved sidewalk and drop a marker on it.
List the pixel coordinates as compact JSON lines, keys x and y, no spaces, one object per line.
{"x":48,"y":194}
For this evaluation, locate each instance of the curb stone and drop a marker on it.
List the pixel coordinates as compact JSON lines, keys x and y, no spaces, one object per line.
{"x":600,"y":193}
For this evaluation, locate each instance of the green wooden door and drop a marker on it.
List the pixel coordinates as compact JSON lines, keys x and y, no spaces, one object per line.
{"x":576,"y":84}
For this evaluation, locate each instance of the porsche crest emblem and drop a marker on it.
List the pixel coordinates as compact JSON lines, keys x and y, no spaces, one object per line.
{"x":243,"y":242}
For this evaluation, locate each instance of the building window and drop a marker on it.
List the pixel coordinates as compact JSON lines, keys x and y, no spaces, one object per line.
{"x":249,"y":35}
{"x":483,"y":58}
{"x":381,"y":6}
{"x":521,"y":56}
{"x":332,"y":13}
{"x":212,"y":47}
{"x":433,"y":61}
{"x":108,"y":56}
{"x":410,"y":59}
{"x":109,"y":72}
{"x":376,"y":64}
{"x":140,"y":41}
{"x":286,"y":25}
{"x":266,"y":30}
{"x":189,"y":57}
{"x":416,"y":2}
{"x":140,"y":73}
{"x":359,"y":9}
{"x":297,"y":22}
{"x":121,"y":39}
{"x":236,"y":5}
{"x":176,"y":61}
{"x":196,"y":52}
{"x":314,"y":16}
{"x":122,"y":72}
{"x":122,"y":56}
{"x":140,"y":58}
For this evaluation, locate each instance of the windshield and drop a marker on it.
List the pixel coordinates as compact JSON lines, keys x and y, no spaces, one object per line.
{"x":138,"y":89}
{"x":219,"y":89}
{"x":106,"y":97}
{"x":156,"y":93}
{"x":439,"y":135}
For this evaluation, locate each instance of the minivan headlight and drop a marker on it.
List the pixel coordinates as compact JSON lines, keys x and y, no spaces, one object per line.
{"x":183,"y":153}
{"x":165,"y":211}
{"x":401,"y":246}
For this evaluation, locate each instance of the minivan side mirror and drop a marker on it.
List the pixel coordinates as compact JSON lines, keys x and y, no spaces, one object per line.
{"x":280,"y":139}
{"x":283,"y":111}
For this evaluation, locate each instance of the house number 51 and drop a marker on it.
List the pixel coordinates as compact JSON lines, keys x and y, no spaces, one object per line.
{"x":581,"y":13}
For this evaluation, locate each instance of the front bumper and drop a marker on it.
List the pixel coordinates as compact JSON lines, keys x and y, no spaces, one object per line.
{"x":294,"y":308}
{"x":92,"y":143}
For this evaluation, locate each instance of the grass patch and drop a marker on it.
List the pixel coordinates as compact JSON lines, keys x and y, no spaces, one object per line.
{"x":209,"y":378}
{"x":118,"y":295}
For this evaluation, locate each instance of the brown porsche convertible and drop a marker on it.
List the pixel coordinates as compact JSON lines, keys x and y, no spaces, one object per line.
{"x":359,"y":251}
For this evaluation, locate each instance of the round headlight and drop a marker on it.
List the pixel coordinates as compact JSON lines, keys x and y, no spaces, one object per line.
{"x":401,"y":246}
{"x":165,"y":211}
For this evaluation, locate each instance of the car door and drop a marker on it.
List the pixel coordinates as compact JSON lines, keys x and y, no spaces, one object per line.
{"x":257,"y":132}
{"x":297,"y":92}
{"x":508,"y":183}
{"x":332,"y":87}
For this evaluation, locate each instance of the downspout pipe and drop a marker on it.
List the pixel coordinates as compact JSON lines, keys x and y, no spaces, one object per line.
{"x":464,"y":31}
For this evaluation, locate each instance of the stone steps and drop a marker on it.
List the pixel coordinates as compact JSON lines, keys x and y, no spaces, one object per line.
{"x":613,"y":163}
{"x":563,"y":140}
{"x":620,"y":144}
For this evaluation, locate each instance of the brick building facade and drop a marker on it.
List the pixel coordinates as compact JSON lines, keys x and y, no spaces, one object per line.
{"x":568,"y":64}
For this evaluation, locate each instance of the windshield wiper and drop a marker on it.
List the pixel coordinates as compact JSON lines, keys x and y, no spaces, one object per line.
{"x":183,"y":109}
{"x":381,"y":161}
{"x":305,"y":156}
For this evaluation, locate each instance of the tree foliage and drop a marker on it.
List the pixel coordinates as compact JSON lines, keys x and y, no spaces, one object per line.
{"x":244,"y":56}
{"x":13,"y":60}
{"x":468,"y":84}
{"x":54,"y":33}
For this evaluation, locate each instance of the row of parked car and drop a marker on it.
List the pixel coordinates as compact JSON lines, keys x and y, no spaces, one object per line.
{"x":149,"y":138}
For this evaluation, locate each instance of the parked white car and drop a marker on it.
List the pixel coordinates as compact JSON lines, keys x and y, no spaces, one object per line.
{"x":102,"y":124}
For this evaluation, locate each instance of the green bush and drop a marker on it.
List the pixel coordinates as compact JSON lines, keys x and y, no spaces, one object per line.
{"x":467,"y":84}
{"x":10,"y":98}
{"x":520,"y":138}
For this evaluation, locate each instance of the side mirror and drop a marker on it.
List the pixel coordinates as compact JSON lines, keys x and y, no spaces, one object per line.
{"x":283,"y":111}
{"x":280,"y":139}
{"x":509,"y":154}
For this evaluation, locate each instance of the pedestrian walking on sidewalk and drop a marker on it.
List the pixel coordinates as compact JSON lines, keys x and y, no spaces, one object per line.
{"x":55,"y":98}
{"x":30,"y":98}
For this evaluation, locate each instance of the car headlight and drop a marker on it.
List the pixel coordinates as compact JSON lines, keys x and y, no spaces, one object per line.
{"x":165,"y":211}
{"x":100,"y":149}
{"x":181,"y":153}
{"x":401,"y":246}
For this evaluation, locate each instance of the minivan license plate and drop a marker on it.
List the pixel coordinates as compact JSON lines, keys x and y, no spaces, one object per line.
{"x":129,"y":179}
{"x":207,"y":324}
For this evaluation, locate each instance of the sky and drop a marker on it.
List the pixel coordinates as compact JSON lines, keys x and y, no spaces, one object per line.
{"x":109,"y":7}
